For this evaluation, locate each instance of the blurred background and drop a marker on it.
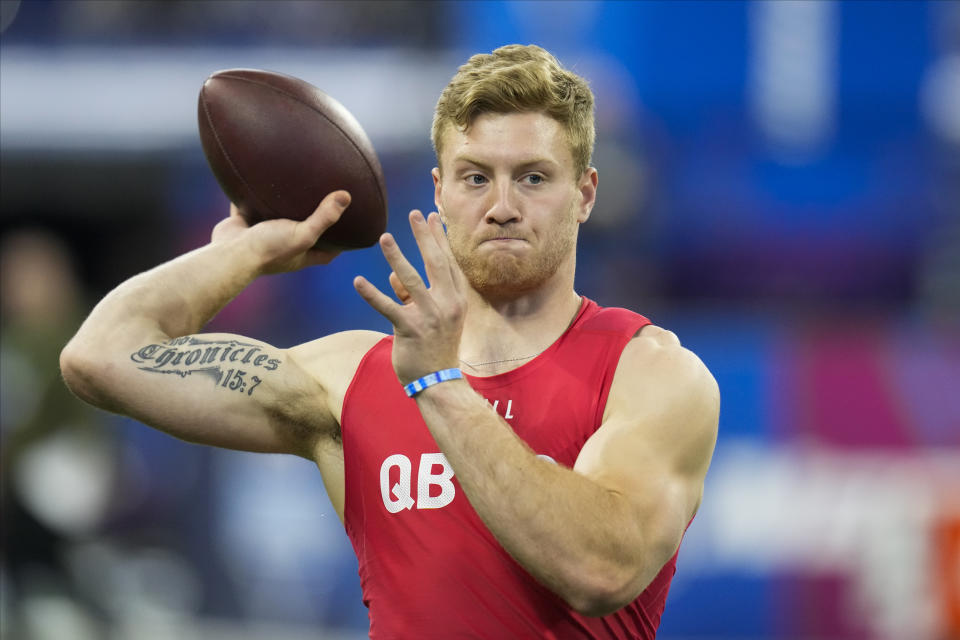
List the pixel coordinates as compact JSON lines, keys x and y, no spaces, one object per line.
{"x":779,"y":185}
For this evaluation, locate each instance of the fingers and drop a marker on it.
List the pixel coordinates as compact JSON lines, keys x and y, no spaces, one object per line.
{"x":377,"y":299}
{"x":405,"y":272}
{"x":235,"y":217}
{"x":440,"y":236}
{"x":398,"y":289}
{"x":407,"y":285}
{"x":323,"y":217}
{"x":434,"y":258}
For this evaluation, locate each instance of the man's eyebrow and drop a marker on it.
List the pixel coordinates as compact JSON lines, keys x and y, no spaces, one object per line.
{"x":523,"y":165}
{"x":469,"y":160}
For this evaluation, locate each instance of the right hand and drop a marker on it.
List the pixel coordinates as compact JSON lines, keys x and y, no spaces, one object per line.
{"x":281,"y":244}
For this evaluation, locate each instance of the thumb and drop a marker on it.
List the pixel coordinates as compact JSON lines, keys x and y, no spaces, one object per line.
{"x":323,"y":217}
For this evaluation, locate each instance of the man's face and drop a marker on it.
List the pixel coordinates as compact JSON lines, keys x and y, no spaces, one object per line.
{"x":511,"y":201}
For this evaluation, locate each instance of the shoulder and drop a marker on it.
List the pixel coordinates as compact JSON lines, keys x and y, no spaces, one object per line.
{"x":655,"y":357}
{"x":335,"y":343}
{"x":334,"y":359}
{"x":335,"y":351}
{"x":665,"y":390}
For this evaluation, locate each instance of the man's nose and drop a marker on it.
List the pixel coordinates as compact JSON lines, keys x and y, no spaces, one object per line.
{"x":503,"y":207}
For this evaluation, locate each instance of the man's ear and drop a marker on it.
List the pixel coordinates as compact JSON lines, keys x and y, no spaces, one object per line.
{"x":437,"y":199}
{"x":587,"y":186}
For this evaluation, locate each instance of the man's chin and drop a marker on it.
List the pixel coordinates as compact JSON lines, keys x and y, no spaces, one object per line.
{"x":504,"y":277}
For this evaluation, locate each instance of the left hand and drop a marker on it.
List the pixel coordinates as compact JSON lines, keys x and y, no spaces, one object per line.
{"x":429,"y":320}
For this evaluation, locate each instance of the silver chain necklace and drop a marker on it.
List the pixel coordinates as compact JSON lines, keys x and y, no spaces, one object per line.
{"x":483,"y":364}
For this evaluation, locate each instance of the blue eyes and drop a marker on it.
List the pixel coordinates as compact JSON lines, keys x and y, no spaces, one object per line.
{"x":475,"y":179}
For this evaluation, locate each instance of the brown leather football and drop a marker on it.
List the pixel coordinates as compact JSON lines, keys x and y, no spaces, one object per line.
{"x":277,"y":145}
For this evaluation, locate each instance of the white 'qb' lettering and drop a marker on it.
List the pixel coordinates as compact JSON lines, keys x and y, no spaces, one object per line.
{"x":400,"y":497}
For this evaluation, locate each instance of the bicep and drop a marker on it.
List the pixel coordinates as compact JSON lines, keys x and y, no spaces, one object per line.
{"x":660,"y":498}
{"x":218,"y":389}
{"x":655,"y":444}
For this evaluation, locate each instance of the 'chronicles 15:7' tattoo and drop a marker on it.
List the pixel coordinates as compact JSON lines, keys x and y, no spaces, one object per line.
{"x":189,"y":355}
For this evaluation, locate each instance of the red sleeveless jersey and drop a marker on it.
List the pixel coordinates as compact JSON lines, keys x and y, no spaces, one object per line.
{"x":429,"y":568}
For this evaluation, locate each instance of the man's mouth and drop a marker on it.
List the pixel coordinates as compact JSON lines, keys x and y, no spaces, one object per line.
{"x":504,"y":239}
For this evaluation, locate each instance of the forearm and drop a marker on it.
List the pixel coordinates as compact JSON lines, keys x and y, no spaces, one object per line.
{"x":576,"y":537}
{"x":181,"y":296}
{"x":178,"y":297}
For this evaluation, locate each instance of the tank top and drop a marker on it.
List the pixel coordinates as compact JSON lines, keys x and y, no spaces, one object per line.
{"x":429,"y":567}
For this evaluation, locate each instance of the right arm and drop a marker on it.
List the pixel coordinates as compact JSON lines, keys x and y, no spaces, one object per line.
{"x":138,"y":352}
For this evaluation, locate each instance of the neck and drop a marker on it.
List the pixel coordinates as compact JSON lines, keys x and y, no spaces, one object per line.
{"x":500,"y":334}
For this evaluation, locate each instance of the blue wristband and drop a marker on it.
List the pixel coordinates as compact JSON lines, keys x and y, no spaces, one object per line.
{"x":431,"y":379}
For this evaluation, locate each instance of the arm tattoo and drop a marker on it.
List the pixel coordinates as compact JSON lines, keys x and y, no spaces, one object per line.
{"x":189,"y":355}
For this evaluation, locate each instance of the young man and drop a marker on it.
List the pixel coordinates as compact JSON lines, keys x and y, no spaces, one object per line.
{"x":515,"y":461}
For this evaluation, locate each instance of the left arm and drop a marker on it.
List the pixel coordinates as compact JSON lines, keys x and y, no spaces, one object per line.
{"x":597,"y":534}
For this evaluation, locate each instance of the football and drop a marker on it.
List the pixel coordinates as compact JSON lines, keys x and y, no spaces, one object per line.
{"x":278,"y":145}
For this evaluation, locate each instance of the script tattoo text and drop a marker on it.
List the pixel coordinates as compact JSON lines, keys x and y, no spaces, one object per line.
{"x":188,"y":356}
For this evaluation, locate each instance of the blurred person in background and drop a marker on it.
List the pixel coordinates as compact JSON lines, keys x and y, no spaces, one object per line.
{"x":58,"y":460}
{"x":555,"y":477}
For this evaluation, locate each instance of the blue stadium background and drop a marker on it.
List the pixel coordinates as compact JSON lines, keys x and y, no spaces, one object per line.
{"x":779,"y":185}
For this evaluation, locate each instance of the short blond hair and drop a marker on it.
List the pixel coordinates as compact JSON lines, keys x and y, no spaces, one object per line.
{"x":519,"y":79}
